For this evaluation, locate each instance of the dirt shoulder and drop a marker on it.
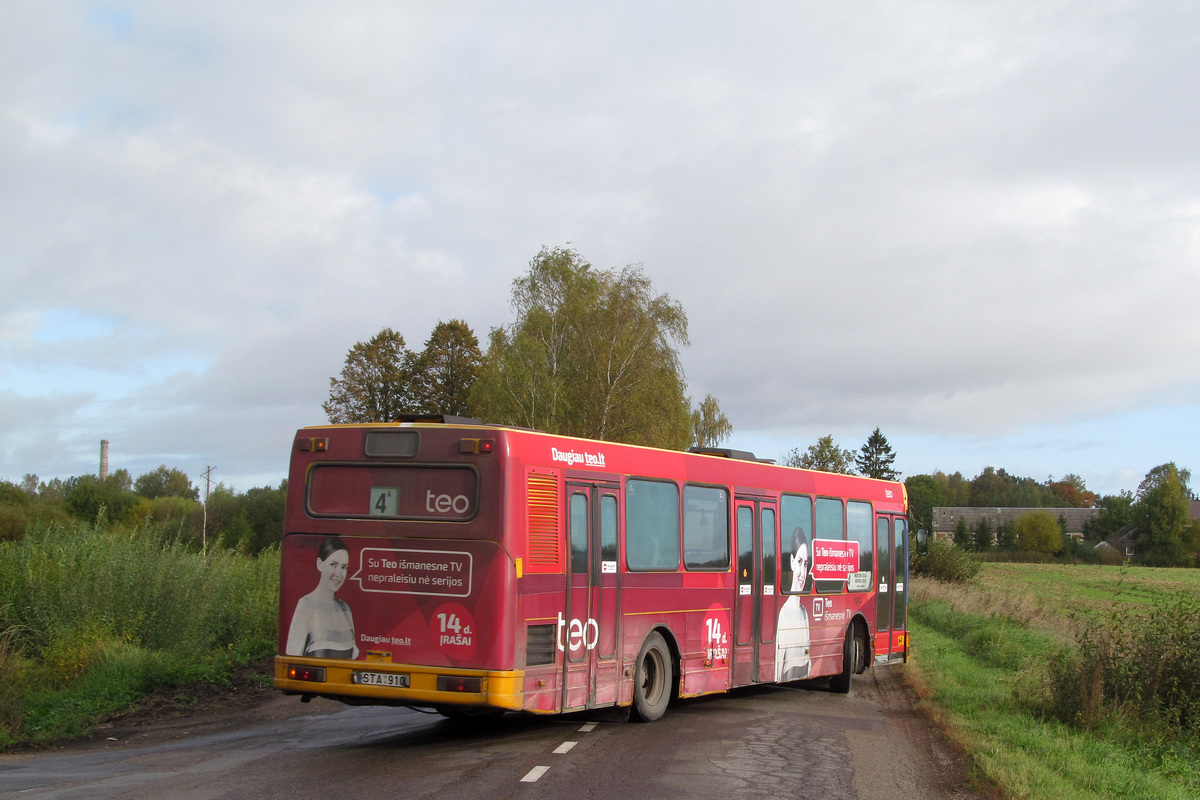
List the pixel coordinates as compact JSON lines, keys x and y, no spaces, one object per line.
{"x":198,"y":708}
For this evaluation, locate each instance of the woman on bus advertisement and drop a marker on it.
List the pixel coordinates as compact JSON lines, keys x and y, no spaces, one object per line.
{"x":792,"y":660}
{"x":322,"y":626}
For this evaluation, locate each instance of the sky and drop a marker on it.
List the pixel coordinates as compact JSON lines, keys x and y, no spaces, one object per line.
{"x":975,"y":226}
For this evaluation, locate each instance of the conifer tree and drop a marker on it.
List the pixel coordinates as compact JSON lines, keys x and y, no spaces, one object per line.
{"x":874,"y":459}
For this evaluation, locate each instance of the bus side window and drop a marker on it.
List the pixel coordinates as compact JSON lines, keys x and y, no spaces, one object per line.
{"x":858,"y":529}
{"x":608,"y":528}
{"x":705,"y":528}
{"x":579,"y":533}
{"x":796,"y":520}
{"x":831,"y":524}
{"x":652,"y":526}
{"x":769,"y":536}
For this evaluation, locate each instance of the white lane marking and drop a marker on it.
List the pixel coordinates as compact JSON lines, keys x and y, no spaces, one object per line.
{"x":537,"y":772}
{"x":534,"y":774}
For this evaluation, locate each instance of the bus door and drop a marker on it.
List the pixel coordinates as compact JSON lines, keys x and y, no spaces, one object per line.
{"x":754,"y":605}
{"x":891,"y":599}
{"x":899,"y":645}
{"x":587,"y":630}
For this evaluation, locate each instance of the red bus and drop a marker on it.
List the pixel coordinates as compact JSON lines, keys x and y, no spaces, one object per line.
{"x":472,"y":568}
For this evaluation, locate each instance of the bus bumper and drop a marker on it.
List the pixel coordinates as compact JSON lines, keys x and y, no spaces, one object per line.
{"x":366,"y":683}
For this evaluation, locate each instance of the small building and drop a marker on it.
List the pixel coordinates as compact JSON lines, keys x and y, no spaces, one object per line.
{"x":946,"y":519}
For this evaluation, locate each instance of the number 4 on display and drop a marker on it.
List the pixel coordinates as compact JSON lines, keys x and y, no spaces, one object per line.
{"x":385,"y":501}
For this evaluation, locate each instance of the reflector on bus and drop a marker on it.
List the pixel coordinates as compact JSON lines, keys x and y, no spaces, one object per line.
{"x":314,"y":674}
{"x":459,"y":683}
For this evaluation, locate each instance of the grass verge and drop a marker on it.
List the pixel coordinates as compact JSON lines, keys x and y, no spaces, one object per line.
{"x":985,"y":657}
{"x":93,"y":619}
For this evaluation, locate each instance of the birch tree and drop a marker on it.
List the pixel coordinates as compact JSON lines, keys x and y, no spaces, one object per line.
{"x":592,"y":353}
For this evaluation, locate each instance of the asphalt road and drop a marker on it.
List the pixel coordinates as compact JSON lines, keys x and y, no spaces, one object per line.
{"x":791,"y":741}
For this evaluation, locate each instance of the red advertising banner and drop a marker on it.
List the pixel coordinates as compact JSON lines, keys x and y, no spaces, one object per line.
{"x":834,"y":559}
{"x":357,"y":598}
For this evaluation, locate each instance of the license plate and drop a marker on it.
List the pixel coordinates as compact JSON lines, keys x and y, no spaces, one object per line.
{"x":397,"y":680}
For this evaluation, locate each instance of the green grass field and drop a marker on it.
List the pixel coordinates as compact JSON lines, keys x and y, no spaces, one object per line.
{"x":995,"y":658}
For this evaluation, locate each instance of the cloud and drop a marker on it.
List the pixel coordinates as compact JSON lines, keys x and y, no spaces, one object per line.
{"x":951,"y":221}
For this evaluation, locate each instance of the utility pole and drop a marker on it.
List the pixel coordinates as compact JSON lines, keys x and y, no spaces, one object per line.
{"x":204,"y":523}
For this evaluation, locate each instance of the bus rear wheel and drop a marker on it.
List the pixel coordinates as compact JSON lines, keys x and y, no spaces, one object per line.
{"x":652,"y":680}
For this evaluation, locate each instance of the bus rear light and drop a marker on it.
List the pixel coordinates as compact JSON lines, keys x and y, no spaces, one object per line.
{"x":315,"y":445}
{"x":458,"y":683}
{"x":314,"y":674}
{"x":487,"y":445}
{"x":484,"y":446}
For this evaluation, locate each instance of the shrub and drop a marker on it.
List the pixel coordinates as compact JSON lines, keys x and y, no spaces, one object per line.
{"x":946,"y":563}
{"x":14,"y":519}
{"x":136,"y":588}
{"x":92,"y":618}
{"x":1038,"y":532}
{"x":14,"y":669}
{"x":1136,"y":665}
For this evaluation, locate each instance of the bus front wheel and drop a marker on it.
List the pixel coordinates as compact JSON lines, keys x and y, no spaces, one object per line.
{"x":851,"y":656}
{"x":652,"y":680}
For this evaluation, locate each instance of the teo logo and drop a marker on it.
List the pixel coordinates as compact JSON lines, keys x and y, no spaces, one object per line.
{"x":444,"y":503}
{"x":579,"y":633}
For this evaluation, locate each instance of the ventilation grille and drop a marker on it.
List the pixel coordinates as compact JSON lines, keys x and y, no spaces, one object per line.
{"x":544,"y":548}
{"x":539,"y":645}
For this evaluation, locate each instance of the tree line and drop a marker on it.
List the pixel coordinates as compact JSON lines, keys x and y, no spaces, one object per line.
{"x":1155,"y":518}
{"x":595,"y":354}
{"x":164,"y":500}
{"x":591,"y":353}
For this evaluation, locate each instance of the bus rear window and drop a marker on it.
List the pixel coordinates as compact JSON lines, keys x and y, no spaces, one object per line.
{"x":448,"y":493}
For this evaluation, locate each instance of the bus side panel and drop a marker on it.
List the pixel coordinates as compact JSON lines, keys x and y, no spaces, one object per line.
{"x":408,"y":601}
{"x":707,"y":657}
{"x":830,"y":614}
{"x":541,"y":610}
{"x":696,"y":621}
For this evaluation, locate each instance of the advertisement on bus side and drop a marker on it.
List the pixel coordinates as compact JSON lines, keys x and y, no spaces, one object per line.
{"x":387,"y":600}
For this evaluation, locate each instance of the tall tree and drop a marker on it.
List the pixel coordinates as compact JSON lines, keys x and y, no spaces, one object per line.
{"x":447,"y":368}
{"x":989,"y":488}
{"x":164,"y":482}
{"x":1006,"y":536}
{"x":1070,"y":491}
{"x":983,"y":536}
{"x":1116,"y":513}
{"x":956,"y":489}
{"x":875,"y":457}
{"x":962,"y":534}
{"x":710,"y":426}
{"x":377,"y":382}
{"x":86,"y":495}
{"x":924,"y":494}
{"x":824,"y":454}
{"x":1161,"y":513}
{"x":591,"y":353}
